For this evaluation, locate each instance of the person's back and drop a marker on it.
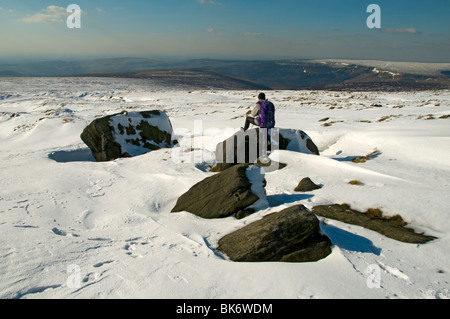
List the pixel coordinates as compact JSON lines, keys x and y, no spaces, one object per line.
{"x":267,"y":114}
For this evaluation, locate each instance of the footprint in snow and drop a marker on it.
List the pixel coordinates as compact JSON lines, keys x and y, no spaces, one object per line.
{"x":61,"y":232}
{"x":132,"y":245}
{"x":101,"y":264}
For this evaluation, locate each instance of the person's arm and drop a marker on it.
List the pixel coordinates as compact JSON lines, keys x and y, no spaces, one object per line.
{"x":256,"y":110}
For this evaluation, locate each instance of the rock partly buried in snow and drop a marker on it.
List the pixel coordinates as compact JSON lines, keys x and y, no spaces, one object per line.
{"x":306,"y":185}
{"x":128,"y":134}
{"x":393,"y":227}
{"x":292,"y":235}
{"x":247,"y":147}
{"x":222,"y":195}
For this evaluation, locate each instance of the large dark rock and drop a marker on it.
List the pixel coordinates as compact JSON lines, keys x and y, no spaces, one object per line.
{"x":128,"y":134}
{"x":247,"y":147}
{"x":220,"y":195}
{"x":292,"y":235}
{"x":393,"y":227}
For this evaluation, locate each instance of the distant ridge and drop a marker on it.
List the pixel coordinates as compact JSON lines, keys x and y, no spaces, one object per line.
{"x":418,"y":68}
{"x":200,"y":79}
{"x":63,"y":68}
{"x":352,"y":75}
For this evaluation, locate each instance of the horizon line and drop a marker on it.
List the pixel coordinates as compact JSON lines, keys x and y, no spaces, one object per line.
{"x":32,"y":58}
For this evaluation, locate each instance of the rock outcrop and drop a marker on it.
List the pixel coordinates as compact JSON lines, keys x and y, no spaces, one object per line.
{"x":392,"y":227}
{"x":306,"y":185}
{"x":292,"y":235}
{"x":128,"y":134}
{"x":220,"y":195}
{"x":248,"y":147}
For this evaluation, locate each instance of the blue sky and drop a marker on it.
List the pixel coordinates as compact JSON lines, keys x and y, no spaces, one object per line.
{"x":412,"y":30}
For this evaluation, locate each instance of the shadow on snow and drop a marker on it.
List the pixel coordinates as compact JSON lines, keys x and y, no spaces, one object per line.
{"x":81,"y":155}
{"x":349,"y":241}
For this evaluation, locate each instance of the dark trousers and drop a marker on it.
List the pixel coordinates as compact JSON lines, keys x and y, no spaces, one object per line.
{"x":249,"y":120}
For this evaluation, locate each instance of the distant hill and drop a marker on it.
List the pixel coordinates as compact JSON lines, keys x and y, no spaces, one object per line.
{"x":238,"y":74}
{"x":201,"y":79}
{"x":331,"y":75}
{"x":64,"y":68}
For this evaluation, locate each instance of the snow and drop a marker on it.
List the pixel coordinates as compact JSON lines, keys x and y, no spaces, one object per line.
{"x":376,"y":71}
{"x":256,"y":177}
{"x":419,"y":68}
{"x":134,"y":119}
{"x":74,"y":228}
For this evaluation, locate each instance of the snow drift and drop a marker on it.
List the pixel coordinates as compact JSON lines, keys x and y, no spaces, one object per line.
{"x":74,"y":228}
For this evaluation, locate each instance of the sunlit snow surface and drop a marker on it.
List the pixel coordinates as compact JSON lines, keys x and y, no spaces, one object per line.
{"x":74,"y":228}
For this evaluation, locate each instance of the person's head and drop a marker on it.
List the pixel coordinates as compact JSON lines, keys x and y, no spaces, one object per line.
{"x":261,"y":96}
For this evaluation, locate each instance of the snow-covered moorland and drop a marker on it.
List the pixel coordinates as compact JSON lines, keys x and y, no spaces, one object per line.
{"x":74,"y":228}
